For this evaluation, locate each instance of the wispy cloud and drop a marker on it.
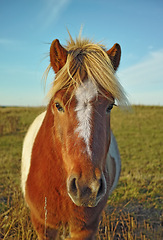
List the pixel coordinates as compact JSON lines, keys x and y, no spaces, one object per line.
{"x":145,"y":78}
{"x":147,"y":71}
{"x":52,"y":11}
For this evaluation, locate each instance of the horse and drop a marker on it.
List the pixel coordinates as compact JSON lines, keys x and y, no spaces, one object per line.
{"x":70,"y":158}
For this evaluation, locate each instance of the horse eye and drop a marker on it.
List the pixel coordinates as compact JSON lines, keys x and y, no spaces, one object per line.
{"x":109,"y":108}
{"x":59,"y":107}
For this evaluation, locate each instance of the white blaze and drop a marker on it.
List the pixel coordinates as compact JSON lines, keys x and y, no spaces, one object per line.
{"x":84,"y":95}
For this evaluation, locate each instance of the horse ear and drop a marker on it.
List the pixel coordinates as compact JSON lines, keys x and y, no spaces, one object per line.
{"x":115,"y":54}
{"x":58,"y":55}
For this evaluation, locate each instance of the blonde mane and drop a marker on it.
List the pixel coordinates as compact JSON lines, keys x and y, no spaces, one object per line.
{"x":87,"y":60}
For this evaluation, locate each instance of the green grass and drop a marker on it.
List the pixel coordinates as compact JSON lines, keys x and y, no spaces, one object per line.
{"x":133,"y":210}
{"x":140,"y":137}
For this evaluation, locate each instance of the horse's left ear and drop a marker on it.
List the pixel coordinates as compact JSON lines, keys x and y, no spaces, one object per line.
{"x":115,"y":54}
{"x":58,"y":55}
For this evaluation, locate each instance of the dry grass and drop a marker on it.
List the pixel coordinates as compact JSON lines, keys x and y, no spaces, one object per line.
{"x":125,"y":222}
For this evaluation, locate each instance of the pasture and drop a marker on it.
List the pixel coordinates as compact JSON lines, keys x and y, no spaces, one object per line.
{"x":133,"y":210}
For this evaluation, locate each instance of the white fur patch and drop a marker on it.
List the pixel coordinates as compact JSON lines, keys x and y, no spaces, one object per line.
{"x":114,"y":153}
{"x":84,"y":95}
{"x":27,"y":148}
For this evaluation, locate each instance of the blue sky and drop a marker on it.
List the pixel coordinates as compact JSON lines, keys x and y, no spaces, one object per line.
{"x":28,"y":27}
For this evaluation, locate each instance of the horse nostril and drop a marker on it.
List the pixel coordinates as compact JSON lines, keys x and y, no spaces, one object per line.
{"x":84,"y":193}
{"x":76,"y":190}
{"x":102,"y":188}
{"x":72,"y":188}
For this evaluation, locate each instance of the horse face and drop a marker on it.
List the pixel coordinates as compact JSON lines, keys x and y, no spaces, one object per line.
{"x":83,"y":129}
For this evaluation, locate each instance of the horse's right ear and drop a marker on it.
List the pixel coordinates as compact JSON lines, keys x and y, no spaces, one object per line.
{"x":58,"y":55}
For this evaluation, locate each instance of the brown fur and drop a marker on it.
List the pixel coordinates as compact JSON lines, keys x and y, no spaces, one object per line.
{"x":47,"y":178}
{"x":58,"y":153}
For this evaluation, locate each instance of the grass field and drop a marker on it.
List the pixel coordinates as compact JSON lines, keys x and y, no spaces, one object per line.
{"x":133,"y":210}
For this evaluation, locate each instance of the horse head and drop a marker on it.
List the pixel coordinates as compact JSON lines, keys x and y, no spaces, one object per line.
{"x":82,"y":119}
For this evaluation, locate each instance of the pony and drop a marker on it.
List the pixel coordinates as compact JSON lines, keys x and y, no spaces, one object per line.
{"x":70,"y":158}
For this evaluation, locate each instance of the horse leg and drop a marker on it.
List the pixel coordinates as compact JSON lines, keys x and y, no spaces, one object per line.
{"x":42,"y":233}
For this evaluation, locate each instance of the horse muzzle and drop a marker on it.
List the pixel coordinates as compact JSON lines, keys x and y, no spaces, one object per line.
{"x":86,"y":193}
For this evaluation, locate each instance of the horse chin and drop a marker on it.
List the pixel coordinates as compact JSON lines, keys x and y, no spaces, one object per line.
{"x":85,"y":203}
